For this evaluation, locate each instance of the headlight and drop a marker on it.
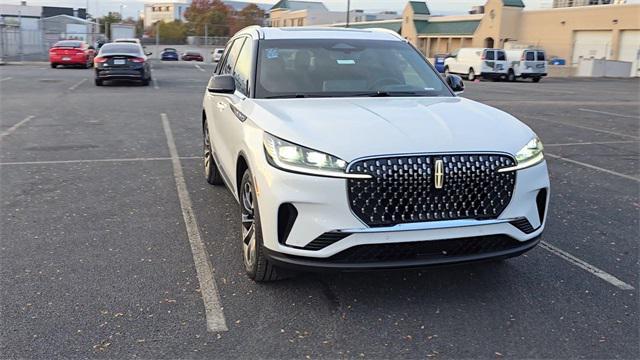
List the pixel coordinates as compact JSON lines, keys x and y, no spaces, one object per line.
{"x":531,"y":154}
{"x":295,"y":158}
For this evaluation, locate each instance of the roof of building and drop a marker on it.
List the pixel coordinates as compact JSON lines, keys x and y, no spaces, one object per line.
{"x":299,"y":5}
{"x":68,"y":17}
{"x":395,"y":25}
{"x":513,"y":3}
{"x":420,"y":7}
{"x":463,"y":27}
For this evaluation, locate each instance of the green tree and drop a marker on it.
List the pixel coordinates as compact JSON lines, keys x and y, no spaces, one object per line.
{"x":249,"y":15}
{"x":174,"y":32}
{"x":214,"y":13}
{"x":107,"y":20}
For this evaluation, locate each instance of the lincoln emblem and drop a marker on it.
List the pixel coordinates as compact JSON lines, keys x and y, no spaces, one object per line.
{"x":439,"y":174}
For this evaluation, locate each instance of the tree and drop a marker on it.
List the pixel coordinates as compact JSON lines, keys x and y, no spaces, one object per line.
{"x":249,"y":15}
{"x":107,"y":20}
{"x":214,"y":13}
{"x":174,"y":32}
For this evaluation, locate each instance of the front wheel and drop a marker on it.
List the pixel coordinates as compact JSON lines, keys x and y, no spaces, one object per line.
{"x":257,"y":266}
{"x":472,"y":75}
{"x":536,"y":79}
{"x":211,"y":172}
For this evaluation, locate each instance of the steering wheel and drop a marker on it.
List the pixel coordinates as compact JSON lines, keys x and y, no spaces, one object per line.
{"x":384,"y":81}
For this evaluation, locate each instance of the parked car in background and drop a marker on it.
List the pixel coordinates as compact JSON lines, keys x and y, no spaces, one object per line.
{"x":477,"y":63}
{"x":192,"y":56}
{"x":438,"y":62}
{"x":526,"y":64}
{"x":128,"y":40}
{"x":412,"y":174}
{"x":72,"y":52}
{"x":169,"y":54}
{"x":216,"y":54}
{"x":122,"y":61}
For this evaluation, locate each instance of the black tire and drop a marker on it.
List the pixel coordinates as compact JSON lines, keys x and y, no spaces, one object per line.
{"x":54,"y":66}
{"x":536,"y":79}
{"x":511,"y":76}
{"x":471,"y":76}
{"x":98,"y":82}
{"x":256,"y":264}
{"x":145,"y":82}
{"x":211,"y":172}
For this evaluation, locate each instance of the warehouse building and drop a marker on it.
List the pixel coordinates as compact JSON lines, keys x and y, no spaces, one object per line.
{"x":609,"y":31}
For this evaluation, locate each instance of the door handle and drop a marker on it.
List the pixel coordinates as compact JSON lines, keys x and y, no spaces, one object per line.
{"x":221,"y":105}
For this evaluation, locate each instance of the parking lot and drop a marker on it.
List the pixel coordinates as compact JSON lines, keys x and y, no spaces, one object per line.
{"x":114,"y":245}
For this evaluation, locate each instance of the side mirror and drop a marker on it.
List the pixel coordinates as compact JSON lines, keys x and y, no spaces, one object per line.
{"x":455,"y":83}
{"x":148,"y":53}
{"x":223,"y":84}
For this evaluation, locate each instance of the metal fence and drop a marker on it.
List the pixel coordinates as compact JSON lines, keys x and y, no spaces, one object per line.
{"x":33,"y":45}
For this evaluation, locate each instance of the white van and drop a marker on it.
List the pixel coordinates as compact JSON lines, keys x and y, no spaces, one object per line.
{"x":526,"y":64}
{"x":477,"y":62}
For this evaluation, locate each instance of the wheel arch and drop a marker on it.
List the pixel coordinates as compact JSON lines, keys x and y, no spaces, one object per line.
{"x":242,"y":165}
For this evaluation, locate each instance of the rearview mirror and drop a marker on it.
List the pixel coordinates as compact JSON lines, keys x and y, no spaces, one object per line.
{"x":224,"y":84}
{"x":455,"y":83}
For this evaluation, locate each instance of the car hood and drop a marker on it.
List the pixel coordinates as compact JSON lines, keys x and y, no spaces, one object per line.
{"x":351,"y":128}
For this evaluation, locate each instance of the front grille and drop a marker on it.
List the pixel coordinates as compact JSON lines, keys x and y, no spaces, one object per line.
{"x":426,"y":250}
{"x":402,"y":188}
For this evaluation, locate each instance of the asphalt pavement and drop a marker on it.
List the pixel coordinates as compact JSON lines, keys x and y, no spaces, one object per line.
{"x":99,"y":259}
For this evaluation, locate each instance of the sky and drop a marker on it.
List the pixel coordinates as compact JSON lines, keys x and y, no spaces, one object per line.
{"x":132,"y":7}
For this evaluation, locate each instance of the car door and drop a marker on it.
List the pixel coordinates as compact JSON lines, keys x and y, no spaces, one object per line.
{"x":220,"y":116}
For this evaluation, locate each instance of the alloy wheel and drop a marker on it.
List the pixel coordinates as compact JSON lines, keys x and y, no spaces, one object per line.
{"x":206,"y":147}
{"x":248,"y":226}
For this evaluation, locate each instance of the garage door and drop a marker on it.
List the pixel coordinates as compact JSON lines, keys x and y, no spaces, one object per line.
{"x":630,"y":49}
{"x":591,"y":44}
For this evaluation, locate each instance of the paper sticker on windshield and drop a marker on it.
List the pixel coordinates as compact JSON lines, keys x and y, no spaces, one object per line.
{"x":346,"y":62}
{"x":272,"y":53}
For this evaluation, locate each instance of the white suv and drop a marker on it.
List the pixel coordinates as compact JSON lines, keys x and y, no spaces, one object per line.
{"x":346,"y":150}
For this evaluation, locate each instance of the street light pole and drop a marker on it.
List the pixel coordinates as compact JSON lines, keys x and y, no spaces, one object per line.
{"x":348,"y":11}
{"x":158,"y":37}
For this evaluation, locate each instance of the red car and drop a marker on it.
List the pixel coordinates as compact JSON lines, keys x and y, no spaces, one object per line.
{"x":192,"y":56}
{"x":72,"y":52}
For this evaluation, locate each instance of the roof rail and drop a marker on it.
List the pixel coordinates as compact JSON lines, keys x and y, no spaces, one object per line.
{"x":388,"y":31}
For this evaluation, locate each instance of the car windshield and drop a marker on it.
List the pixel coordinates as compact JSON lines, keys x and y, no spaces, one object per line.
{"x":121,"y":48}
{"x":169,"y":50}
{"x":338,"y":67}
{"x":74,"y":44}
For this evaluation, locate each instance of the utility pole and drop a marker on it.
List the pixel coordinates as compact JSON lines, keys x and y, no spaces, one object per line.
{"x":20,"y":33}
{"x":206,"y":34}
{"x":348,"y":11}
{"x":158,"y":38}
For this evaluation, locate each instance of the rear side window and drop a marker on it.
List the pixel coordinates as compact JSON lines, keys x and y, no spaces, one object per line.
{"x":242,"y":71}
{"x":230,"y":60}
{"x":529,"y":56}
{"x":540,"y":55}
{"x":501,"y":55}
{"x":490,"y":55}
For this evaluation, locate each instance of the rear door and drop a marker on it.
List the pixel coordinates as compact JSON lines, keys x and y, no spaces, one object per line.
{"x":541,"y":62}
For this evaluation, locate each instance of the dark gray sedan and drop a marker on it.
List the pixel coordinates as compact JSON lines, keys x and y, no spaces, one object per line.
{"x":122,"y":61}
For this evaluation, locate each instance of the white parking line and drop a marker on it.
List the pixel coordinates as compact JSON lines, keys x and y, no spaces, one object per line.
{"x":583,"y":127}
{"x":593,"y":167}
{"x":74,"y":86}
{"x":5,"y":79}
{"x":213,"y":309}
{"x":199,"y":68}
{"x":586,"y":266}
{"x":94,"y":160}
{"x":593,"y":143}
{"x":14,"y":127}
{"x":610,"y":113}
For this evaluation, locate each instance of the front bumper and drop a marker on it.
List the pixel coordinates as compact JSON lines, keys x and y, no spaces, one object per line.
{"x":322,"y":209}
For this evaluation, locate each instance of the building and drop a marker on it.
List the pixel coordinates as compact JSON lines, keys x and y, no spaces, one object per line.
{"x":573,"y":3}
{"x":61,"y":27}
{"x":286,"y":13}
{"x":169,"y":11}
{"x":164,"y":11}
{"x":601,"y":32}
